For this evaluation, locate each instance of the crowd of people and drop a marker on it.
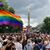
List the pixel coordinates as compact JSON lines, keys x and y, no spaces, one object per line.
{"x":24,"y":41}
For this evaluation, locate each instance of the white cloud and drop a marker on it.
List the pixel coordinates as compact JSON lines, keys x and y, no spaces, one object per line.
{"x":39,"y":9}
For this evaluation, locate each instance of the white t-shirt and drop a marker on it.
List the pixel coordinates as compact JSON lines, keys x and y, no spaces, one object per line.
{"x":0,"y":45}
{"x":48,"y":46}
{"x":18,"y":46}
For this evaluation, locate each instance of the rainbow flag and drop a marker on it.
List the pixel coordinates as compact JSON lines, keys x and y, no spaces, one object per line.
{"x":7,"y":18}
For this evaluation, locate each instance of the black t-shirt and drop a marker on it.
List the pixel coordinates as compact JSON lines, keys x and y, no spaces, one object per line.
{"x":39,"y":46}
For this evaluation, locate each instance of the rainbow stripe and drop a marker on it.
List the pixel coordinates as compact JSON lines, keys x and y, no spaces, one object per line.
{"x":5,"y":13}
{"x":8,"y":18}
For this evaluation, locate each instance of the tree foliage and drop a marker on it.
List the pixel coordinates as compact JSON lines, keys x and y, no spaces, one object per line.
{"x":6,"y":6}
{"x":46,"y":25}
{"x":2,"y":0}
{"x":11,"y":10}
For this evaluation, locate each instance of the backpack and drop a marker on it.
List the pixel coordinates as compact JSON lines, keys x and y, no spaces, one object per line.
{"x":40,"y":47}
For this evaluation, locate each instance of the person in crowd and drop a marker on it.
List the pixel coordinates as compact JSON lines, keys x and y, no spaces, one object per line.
{"x":48,"y":43}
{"x":39,"y":45}
{"x":29,"y":45}
{"x":8,"y":46}
{"x":18,"y":45}
{"x":24,"y":41}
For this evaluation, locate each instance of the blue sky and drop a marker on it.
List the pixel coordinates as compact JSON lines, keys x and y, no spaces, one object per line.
{"x":39,"y":10}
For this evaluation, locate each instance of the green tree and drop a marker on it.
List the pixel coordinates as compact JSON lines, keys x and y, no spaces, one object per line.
{"x":2,"y":0}
{"x":11,"y":10}
{"x":4,"y":6}
{"x":46,"y":25}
